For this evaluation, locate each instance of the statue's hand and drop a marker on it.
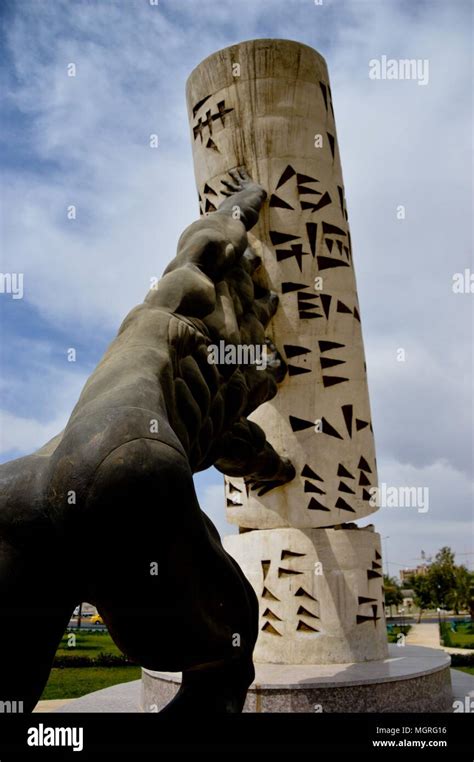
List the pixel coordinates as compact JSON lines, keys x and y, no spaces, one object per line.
{"x":241,"y":181}
{"x":285,"y":474}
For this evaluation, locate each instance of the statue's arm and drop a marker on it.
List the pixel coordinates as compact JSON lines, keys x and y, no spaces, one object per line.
{"x":207,"y":249}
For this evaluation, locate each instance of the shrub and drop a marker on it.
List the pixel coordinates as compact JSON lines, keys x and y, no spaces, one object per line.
{"x":102,"y":660}
{"x":462,"y":660}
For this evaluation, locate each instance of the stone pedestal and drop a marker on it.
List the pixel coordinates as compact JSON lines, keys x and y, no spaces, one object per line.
{"x":320,"y":594}
{"x":411,"y":680}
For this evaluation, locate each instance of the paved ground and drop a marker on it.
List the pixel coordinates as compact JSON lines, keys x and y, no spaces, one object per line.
{"x":51,"y":705}
{"x":427,"y":634}
{"x":125,"y":697}
{"x":463,"y":685}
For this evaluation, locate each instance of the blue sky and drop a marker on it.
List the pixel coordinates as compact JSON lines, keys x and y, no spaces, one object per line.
{"x":85,"y":141}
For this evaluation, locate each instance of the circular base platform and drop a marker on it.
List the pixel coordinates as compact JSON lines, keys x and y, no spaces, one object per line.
{"x":412,"y":679}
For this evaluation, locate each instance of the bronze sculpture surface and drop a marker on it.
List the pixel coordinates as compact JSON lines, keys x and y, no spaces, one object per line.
{"x":153,"y":412}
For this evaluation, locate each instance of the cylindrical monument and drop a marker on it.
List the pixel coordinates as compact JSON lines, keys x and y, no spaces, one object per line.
{"x":267,"y":105}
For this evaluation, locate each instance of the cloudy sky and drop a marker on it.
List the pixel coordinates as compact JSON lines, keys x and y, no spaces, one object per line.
{"x":84,"y":141}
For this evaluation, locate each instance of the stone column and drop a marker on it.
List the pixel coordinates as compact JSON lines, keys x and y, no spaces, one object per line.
{"x":267,"y":105}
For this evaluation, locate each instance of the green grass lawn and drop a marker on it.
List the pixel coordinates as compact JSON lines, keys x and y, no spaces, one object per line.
{"x":87,"y":644}
{"x":461,"y":637}
{"x":469,"y":670}
{"x":72,"y":682}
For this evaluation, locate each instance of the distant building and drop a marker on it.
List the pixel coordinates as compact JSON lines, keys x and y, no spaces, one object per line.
{"x":406,"y":574}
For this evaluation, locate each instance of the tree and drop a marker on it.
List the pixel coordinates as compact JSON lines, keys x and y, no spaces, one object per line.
{"x":460,"y":597}
{"x":444,"y":585}
{"x":442,"y":578}
{"x":471,"y":597}
{"x":422,"y":592}
{"x":393,"y":593}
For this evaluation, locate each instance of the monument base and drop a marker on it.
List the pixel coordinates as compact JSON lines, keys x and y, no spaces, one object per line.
{"x":412,"y":679}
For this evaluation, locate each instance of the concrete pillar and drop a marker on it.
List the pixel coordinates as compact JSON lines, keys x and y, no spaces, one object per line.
{"x":267,"y":104}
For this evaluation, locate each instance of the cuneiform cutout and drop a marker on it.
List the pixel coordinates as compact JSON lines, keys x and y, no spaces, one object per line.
{"x":290,"y":554}
{"x":326,"y":304}
{"x":326,"y":428}
{"x":269,"y":629}
{"x":299,"y":424}
{"x":207,"y":123}
{"x":370,"y":603}
{"x":279,"y":203}
{"x":315,"y":505}
{"x":304,"y":612}
{"x":332,"y":380}
{"x":325,"y":346}
{"x":300,"y":188}
{"x":326,"y":263}
{"x":279,"y":238}
{"x":361,"y":618}
{"x":301,"y":592}
{"x":347,"y":411}
{"x":295,"y":251}
{"x":342,"y":471}
{"x":269,"y":614}
{"x":303,"y":627}
{"x":210,"y":144}
{"x":199,"y":104}
{"x":295,"y":370}
{"x":306,"y":305}
{"x":268,"y":595}
{"x":308,"y":487}
{"x":344,"y":505}
{"x":345,"y":488}
{"x":325,"y":200}
{"x":327,"y":362}
{"x":292,"y":350}
{"x":307,"y":301}
{"x":287,"y":572}
{"x":331,"y":144}
{"x":310,"y":474}
{"x":312,"y":231}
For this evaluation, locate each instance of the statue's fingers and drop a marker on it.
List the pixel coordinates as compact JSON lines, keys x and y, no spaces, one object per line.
{"x":231,"y":186}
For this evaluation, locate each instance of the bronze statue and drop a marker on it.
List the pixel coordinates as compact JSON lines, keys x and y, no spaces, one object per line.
{"x":106,"y":512}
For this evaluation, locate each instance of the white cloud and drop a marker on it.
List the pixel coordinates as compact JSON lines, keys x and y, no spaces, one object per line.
{"x":447,"y":522}
{"x":27,"y":434}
